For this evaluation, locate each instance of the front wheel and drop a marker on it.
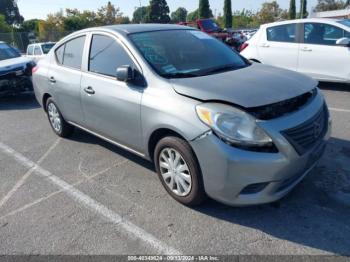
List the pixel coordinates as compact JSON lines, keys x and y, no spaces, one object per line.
{"x":179,"y":171}
{"x":58,"y":124}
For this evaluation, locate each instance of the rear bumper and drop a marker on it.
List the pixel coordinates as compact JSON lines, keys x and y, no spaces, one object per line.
{"x":238,"y":177}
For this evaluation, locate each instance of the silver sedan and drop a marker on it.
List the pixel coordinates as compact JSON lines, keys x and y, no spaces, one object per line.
{"x":213,"y":123}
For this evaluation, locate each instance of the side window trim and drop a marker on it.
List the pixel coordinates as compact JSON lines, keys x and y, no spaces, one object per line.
{"x":64,"y":50}
{"x":299,"y":33}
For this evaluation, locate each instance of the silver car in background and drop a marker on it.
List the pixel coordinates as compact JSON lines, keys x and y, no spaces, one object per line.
{"x":214,"y":124}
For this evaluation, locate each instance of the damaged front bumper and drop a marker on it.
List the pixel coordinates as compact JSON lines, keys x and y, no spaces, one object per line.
{"x":239,"y":177}
{"x":15,"y":82}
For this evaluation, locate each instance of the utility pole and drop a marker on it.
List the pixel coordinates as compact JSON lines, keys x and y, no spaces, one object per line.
{"x":141,"y":12}
{"x":301,"y":9}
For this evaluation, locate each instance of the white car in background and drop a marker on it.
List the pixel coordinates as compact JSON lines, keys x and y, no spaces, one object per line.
{"x":316,"y":47}
{"x":39,"y":50}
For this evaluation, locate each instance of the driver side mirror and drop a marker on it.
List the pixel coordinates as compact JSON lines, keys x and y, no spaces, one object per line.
{"x":125,"y":73}
{"x":343,"y":42}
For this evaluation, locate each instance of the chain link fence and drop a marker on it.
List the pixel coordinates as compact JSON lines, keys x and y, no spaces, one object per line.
{"x":21,"y":40}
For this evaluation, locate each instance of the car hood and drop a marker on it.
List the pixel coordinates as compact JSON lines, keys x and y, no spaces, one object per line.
{"x":13,"y":63}
{"x":253,"y":86}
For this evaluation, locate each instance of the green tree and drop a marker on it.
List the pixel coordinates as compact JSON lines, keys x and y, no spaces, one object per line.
{"x":31,"y":25}
{"x":193,"y":16}
{"x":270,"y":12}
{"x":52,"y":29}
{"x":122,"y":20}
{"x":329,"y":5}
{"x":77,"y":20}
{"x":159,"y":12}
{"x":292,"y":10}
{"x":303,"y":9}
{"x":204,"y":9}
{"x":4,"y":27}
{"x":108,"y":14}
{"x":245,"y":19}
{"x":228,"y":14}
{"x":140,"y":15}
{"x":9,"y":9}
{"x":180,"y":15}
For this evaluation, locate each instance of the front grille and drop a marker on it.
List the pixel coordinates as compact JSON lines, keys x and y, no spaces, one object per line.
{"x":305,"y":136}
{"x":282,"y":108}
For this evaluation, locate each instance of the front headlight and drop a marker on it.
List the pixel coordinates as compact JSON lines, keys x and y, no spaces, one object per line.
{"x":233,"y":125}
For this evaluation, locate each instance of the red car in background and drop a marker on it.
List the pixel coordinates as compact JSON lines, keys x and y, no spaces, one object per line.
{"x":210,"y":27}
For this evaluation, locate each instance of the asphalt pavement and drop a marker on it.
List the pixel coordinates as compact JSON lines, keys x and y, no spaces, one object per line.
{"x":83,"y":196}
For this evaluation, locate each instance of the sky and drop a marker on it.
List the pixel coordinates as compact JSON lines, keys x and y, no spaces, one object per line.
{"x":41,"y":8}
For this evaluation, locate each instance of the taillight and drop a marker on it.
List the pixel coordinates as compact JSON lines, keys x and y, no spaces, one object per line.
{"x":34,"y":69}
{"x":243,"y":46}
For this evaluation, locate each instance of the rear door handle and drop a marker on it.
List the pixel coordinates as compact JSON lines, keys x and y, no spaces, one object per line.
{"x":52,"y":80}
{"x":306,"y":49}
{"x":265,"y":45}
{"x":89,"y":90}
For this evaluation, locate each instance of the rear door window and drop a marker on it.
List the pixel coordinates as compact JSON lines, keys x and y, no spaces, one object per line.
{"x":282,"y":33}
{"x":322,"y":34}
{"x":70,"y":54}
{"x":73,"y":53}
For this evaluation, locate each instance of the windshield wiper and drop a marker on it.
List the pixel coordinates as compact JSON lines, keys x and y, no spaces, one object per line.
{"x":179,"y":75}
{"x":219,"y":69}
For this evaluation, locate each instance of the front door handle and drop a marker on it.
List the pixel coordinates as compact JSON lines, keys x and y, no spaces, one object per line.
{"x":89,"y":90}
{"x":52,"y":80}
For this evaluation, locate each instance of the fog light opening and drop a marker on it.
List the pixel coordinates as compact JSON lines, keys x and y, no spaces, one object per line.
{"x":254,"y":188}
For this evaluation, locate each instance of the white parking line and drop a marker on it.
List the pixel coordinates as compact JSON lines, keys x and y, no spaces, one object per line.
{"x":26,"y":176}
{"x":92,"y":204}
{"x":339,"y":110}
{"x":38,"y":201}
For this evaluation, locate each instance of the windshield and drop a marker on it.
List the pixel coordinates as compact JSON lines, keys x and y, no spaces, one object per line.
{"x":345,"y":22}
{"x":210,"y":25}
{"x":186,"y":53}
{"x":7,"y":52}
{"x":47,"y":47}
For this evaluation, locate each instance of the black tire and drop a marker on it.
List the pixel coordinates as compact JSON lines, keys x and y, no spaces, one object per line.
{"x":66,"y":129}
{"x":197,"y":194}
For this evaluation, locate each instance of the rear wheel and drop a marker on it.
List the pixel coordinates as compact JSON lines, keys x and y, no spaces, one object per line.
{"x":58,"y":124}
{"x":179,"y":171}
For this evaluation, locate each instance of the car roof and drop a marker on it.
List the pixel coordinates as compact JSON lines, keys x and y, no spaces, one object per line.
{"x":139,"y":28}
{"x":315,"y":20}
{"x":127,"y":29}
{"x":42,"y":43}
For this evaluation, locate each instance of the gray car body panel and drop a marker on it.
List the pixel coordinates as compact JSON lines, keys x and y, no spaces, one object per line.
{"x":128,"y":115}
{"x":253,"y":86}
